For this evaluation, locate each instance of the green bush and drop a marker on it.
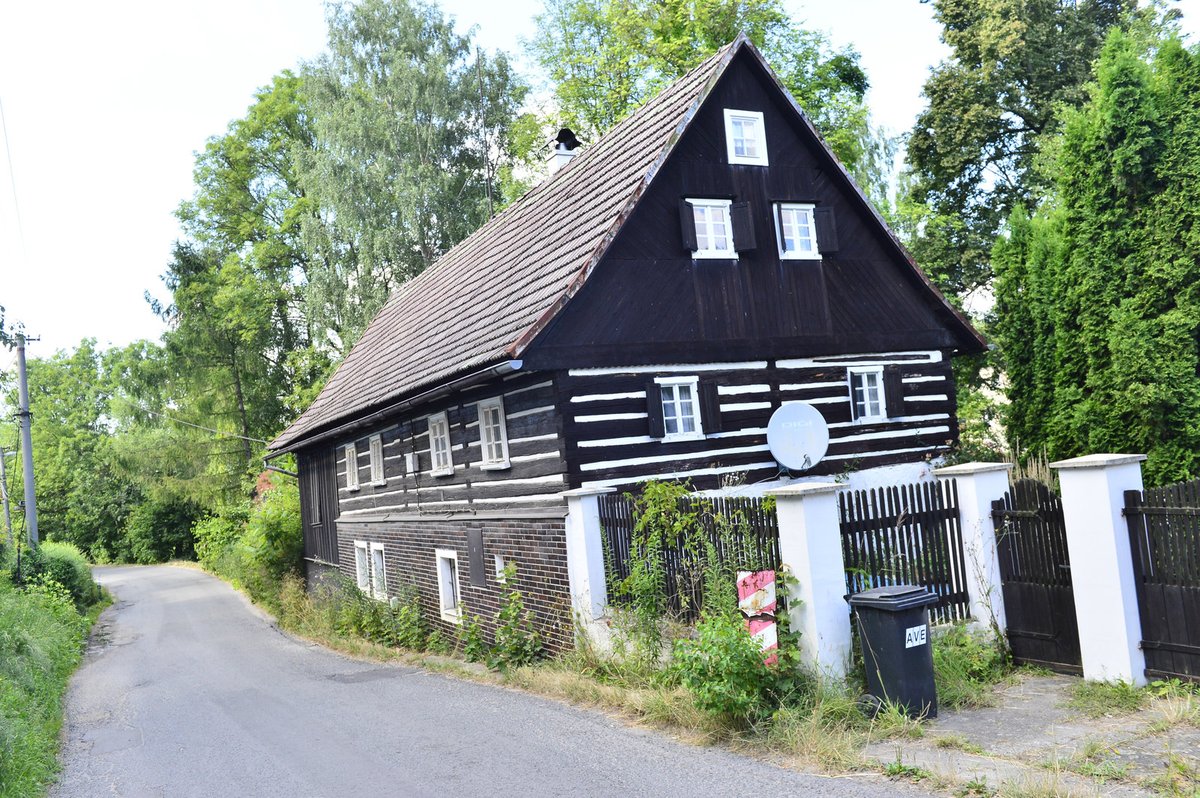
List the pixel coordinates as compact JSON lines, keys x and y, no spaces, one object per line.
{"x":723,"y":668}
{"x":216,"y":534}
{"x":41,"y":638}
{"x":517,"y":642}
{"x":274,"y":535}
{"x":66,"y":565}
{"x":161,"y":529}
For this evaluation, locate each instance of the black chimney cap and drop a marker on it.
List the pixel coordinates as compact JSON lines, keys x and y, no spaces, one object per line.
{"x":567,"y":138}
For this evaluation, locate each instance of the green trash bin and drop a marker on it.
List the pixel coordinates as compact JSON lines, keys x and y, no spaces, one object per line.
{"x":893,"y":627}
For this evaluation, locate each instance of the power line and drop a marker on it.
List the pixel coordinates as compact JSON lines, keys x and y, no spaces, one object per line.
{"x":12,"y":179}
{"x":188,"y":423}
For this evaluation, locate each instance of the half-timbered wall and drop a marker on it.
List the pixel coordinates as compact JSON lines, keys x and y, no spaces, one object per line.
{"x":534,"y":477}
{"x":608,"y":442}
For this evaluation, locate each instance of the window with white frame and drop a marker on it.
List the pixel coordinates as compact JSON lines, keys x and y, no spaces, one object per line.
{"x":745,"y":137}
{"x":714,"y":230}
{"x":680,"y":404}
{"x":448,"y":596}
{"x":377,"y":477}
{"x":370,"y":569}
{"x":362,"y":565}
{"x":439,"y":445}
{"x":351,"y":467}
{"x":796,"y":230}
{"x":378,"y":572}
{"x":866,"y":393}
{"x":493,"y":437}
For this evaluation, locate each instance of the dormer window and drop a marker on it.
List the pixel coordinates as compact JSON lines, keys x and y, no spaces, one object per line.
{"x":745,"y":137}
{"x":714,"y":230}
{"x":796,"y":231}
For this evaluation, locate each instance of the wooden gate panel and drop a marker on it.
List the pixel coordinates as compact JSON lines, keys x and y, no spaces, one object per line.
{"x":1164,"y":538}
{"x":1035,"y":573}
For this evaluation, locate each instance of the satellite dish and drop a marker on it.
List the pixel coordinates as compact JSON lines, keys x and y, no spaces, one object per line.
{"x":797,"y":436}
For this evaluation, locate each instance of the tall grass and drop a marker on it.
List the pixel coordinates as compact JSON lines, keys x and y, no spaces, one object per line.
{"x":41,"y":641}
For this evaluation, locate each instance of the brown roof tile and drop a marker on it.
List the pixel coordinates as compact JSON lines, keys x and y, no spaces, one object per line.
{"x":483,"y":301}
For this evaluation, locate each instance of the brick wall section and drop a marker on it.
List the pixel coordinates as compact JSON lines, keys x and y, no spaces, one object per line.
{"x":538,"y":546}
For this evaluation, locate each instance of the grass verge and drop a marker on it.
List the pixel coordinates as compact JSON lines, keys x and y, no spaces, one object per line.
{"x":1100,"y":699}
{"x":41,"y":643}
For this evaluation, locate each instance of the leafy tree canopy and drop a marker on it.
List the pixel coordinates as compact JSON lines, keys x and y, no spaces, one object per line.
{"x":974,"y":148}
{"x":1098,"y":295}
{"x":410,"y":123}
{"x":607,"y":57}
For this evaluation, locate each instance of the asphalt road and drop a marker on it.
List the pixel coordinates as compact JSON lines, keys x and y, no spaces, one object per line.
{"x":189,"y":691}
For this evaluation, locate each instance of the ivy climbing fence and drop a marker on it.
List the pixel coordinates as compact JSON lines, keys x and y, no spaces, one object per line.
{"x":742,"y":531}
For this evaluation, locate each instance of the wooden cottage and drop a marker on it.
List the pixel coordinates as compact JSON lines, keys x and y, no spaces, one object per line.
{"x":638,"y":315}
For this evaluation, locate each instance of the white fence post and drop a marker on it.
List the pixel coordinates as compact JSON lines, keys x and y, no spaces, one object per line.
{"x":810,"y":545}
{"x":980,"y":484}
{"x":585,"y":562}
{"x":1110,"y":627}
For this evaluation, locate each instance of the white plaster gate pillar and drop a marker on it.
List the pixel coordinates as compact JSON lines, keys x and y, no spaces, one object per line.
{"x":810,"y":545}
{"x":980,"y":484}
{"x":585,"y":563}
{"x":1110,"y":628}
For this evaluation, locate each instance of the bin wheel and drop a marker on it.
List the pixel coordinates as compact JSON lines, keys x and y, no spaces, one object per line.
{"x":869,"y":704}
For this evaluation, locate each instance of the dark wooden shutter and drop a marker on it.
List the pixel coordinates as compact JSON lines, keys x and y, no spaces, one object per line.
{"x":710,"y":408}
{"x":475,"y":557}
{"x":654,"y":411}
{"x":687,"y":222}
{"x":743,"y":226}
{"x":779,"y":227}
{"x":893,"y":391}
{"x":827,"y":237}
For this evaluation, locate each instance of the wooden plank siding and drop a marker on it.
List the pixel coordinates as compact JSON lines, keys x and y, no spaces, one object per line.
{"x":534,"y":478}
{"x":608,"y":442}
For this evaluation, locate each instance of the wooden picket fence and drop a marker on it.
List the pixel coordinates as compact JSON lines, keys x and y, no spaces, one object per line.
{"x":907,"y":535}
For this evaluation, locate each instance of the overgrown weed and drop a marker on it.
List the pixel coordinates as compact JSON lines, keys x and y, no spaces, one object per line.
{"x":1100,"y":699}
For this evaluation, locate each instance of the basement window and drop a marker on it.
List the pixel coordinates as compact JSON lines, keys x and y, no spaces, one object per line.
{"x":680,"y":408}
{"x":377,"y":477}
{"x":796,"y":231}
{"x":866,"y":393}
{"x":745,"y":137}
{"x":351,"y":467}
{"x":493,"y":437}
{"x":439,"y":445}
{"x":370,"y":571}
{"x":448,"y":595}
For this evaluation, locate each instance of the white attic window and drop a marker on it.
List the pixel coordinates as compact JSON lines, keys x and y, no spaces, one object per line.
{"x":714,"y":228}
{"x":796,"y":229}
{"x":745,"y":137}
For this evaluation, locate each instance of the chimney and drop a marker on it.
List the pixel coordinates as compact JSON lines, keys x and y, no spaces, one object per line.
{"x":564,"y":147}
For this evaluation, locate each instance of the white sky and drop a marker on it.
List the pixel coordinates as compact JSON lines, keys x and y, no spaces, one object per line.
{"x":106,"y":104}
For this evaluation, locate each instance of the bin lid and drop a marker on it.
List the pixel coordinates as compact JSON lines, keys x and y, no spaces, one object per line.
{"x":894,"y":598}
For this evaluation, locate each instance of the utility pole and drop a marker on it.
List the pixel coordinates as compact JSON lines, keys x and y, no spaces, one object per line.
{"x":4,"y":497}
{"x":24,"y":418}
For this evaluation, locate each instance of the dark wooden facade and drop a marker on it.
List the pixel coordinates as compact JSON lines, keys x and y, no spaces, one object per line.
{"x":756,"y":331}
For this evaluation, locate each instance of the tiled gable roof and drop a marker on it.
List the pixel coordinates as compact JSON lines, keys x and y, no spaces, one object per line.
{"x":485,"y":298}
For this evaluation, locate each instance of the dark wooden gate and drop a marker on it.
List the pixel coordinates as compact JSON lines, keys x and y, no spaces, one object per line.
{"x":1035,"y":571}
{"x":1164,"y":537}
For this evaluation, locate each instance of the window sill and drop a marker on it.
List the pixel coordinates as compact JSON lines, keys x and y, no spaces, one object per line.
{"x":452,"y":616}
{"x":355,"y":489}
{"x":870,"y":420}
{"x":797,"y":256}
{"x":714,"y":255}
{"x":495,"y":466}
{"x":743,"y":161}
{"x":443,"y":473}
{"x":686,"y":436}
{"x":380,"y":483}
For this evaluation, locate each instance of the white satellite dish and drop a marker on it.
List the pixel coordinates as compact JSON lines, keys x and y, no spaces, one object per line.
{"x":797,"y":436}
